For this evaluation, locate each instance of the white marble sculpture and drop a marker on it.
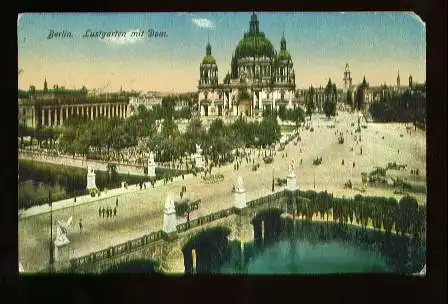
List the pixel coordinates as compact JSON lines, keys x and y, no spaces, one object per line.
{"x":62,"y":231}
{"x":239,"y":185}
{"x":240,"y":194}
{"x":90,"y":177}
{"x":291,"y":168}
{"x":169,"y":216}
{"x":151,"y":157}
{"x":291,"y":179}
{"x":151,"y":165}
{"x":198,"y":149}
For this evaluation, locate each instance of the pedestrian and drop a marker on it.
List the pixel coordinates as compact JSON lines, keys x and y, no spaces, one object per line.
{"x":103,"y":211}
{"x":80,"y":225}
{"x":144,"y":184}
{"x":115,"y":211}
{"x":116,"y":202}
{"x":353,"y":164}
{"x":99,"y":211}
{"x":107,"y":212}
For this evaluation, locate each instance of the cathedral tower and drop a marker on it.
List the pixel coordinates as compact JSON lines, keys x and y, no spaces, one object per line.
{"x":347,"y":77}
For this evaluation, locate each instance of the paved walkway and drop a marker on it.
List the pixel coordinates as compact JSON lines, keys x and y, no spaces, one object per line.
{"x":82,"y":163}
{"x":67,"y":203}
{"x":141,"y":212}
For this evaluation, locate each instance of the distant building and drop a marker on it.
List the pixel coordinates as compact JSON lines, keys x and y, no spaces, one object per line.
{"x":52,"y":107}
{"x":144,"y":99}
{"x":58,"y":92}
{"x":260,"y":78}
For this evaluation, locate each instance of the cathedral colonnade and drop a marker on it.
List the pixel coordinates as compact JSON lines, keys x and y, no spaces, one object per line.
{"x":56,"y":115}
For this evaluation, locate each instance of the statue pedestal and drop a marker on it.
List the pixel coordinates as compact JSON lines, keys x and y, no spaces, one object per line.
{"x":240,"y":198}
{"x":291,"y":182}
{"x":152,"y":170}
{"x":169,"y":217}
{"x":91,"y":181}
{"x":169,"y":222}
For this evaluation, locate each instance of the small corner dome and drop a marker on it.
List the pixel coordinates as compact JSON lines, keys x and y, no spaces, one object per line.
{"x":209,"y":59}
{"x":284,"y":55}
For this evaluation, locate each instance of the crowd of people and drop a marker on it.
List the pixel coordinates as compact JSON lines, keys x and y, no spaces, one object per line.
{"x":108,"y":211}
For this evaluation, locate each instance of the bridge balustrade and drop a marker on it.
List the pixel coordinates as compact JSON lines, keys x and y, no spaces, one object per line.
{"x":116,"y":250}
{"x":204,"y":220}
{"x":158,"y":235}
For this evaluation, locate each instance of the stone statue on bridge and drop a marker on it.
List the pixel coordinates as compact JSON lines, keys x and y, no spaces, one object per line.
{"x":239,"y":184}
{"x":151,"y":157}
{"x":62,"y":231}
{"x":169,"y":205}
{"x":169,"y":215}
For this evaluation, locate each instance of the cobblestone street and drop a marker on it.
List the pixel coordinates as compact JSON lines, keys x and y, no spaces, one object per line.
{"x":141,"y":211}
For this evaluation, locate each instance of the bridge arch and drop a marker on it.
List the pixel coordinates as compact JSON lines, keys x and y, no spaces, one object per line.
{"x":210,"y":246}
{"x":270,"y":220}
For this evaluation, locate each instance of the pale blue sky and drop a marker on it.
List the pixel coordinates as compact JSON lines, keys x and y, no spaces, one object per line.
{"x":374,"y":44}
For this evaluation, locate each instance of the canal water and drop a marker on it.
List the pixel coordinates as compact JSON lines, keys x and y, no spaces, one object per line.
{"x":306,"y":248}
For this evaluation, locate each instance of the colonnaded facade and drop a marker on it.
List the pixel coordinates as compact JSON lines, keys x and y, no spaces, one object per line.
{"x":52,"y":107}
{"x":260,"y":78}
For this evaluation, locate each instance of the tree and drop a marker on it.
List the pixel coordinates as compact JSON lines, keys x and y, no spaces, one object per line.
{"x":282,"y":112}
{"x":169,"y":128}
{"x":329,"y":108}
{"x":349,"y":99}
{"x":389,"y":209}
{"x":360,"y":95}
{"x":112,"y":173}
{"x":217,"y":128}
{"x":408,"y":211}
{"x":310,"y":102}
{"x":268,"y":131}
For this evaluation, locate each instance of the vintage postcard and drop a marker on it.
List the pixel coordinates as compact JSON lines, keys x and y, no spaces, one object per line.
{"x":226,"y":143}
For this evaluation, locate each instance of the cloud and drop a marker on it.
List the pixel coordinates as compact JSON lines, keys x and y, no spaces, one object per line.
{"x":129,"y":38}
{"x":203,"y":23}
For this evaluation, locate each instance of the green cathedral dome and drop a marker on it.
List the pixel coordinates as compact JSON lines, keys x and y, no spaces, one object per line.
{"x":254,"y":45}
{"x":284,"y":55}
{"x":209,"y":59}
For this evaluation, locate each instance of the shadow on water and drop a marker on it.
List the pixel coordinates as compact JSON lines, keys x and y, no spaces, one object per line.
{"x":211,"y":247}
{"x":301,"y":247}
{"x":297,"y":247}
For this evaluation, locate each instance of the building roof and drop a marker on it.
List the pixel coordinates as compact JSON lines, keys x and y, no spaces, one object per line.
{"x":284,"y":55}
{"x":254,"y":45}
{"x":209,"y":59}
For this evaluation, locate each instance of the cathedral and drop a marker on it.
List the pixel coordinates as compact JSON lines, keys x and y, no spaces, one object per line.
{"x":259,"y":78}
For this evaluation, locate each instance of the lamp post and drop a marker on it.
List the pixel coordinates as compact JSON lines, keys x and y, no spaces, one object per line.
{"x":50,"y":202}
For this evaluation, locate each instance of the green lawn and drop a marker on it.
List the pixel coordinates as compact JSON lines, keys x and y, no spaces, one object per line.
{"x":287,"y":129}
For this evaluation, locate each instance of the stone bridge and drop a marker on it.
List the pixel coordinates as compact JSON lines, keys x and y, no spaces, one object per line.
{"x":165,"y":248}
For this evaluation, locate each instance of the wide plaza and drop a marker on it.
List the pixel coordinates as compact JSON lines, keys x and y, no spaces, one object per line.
{"x":141,"y":211}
